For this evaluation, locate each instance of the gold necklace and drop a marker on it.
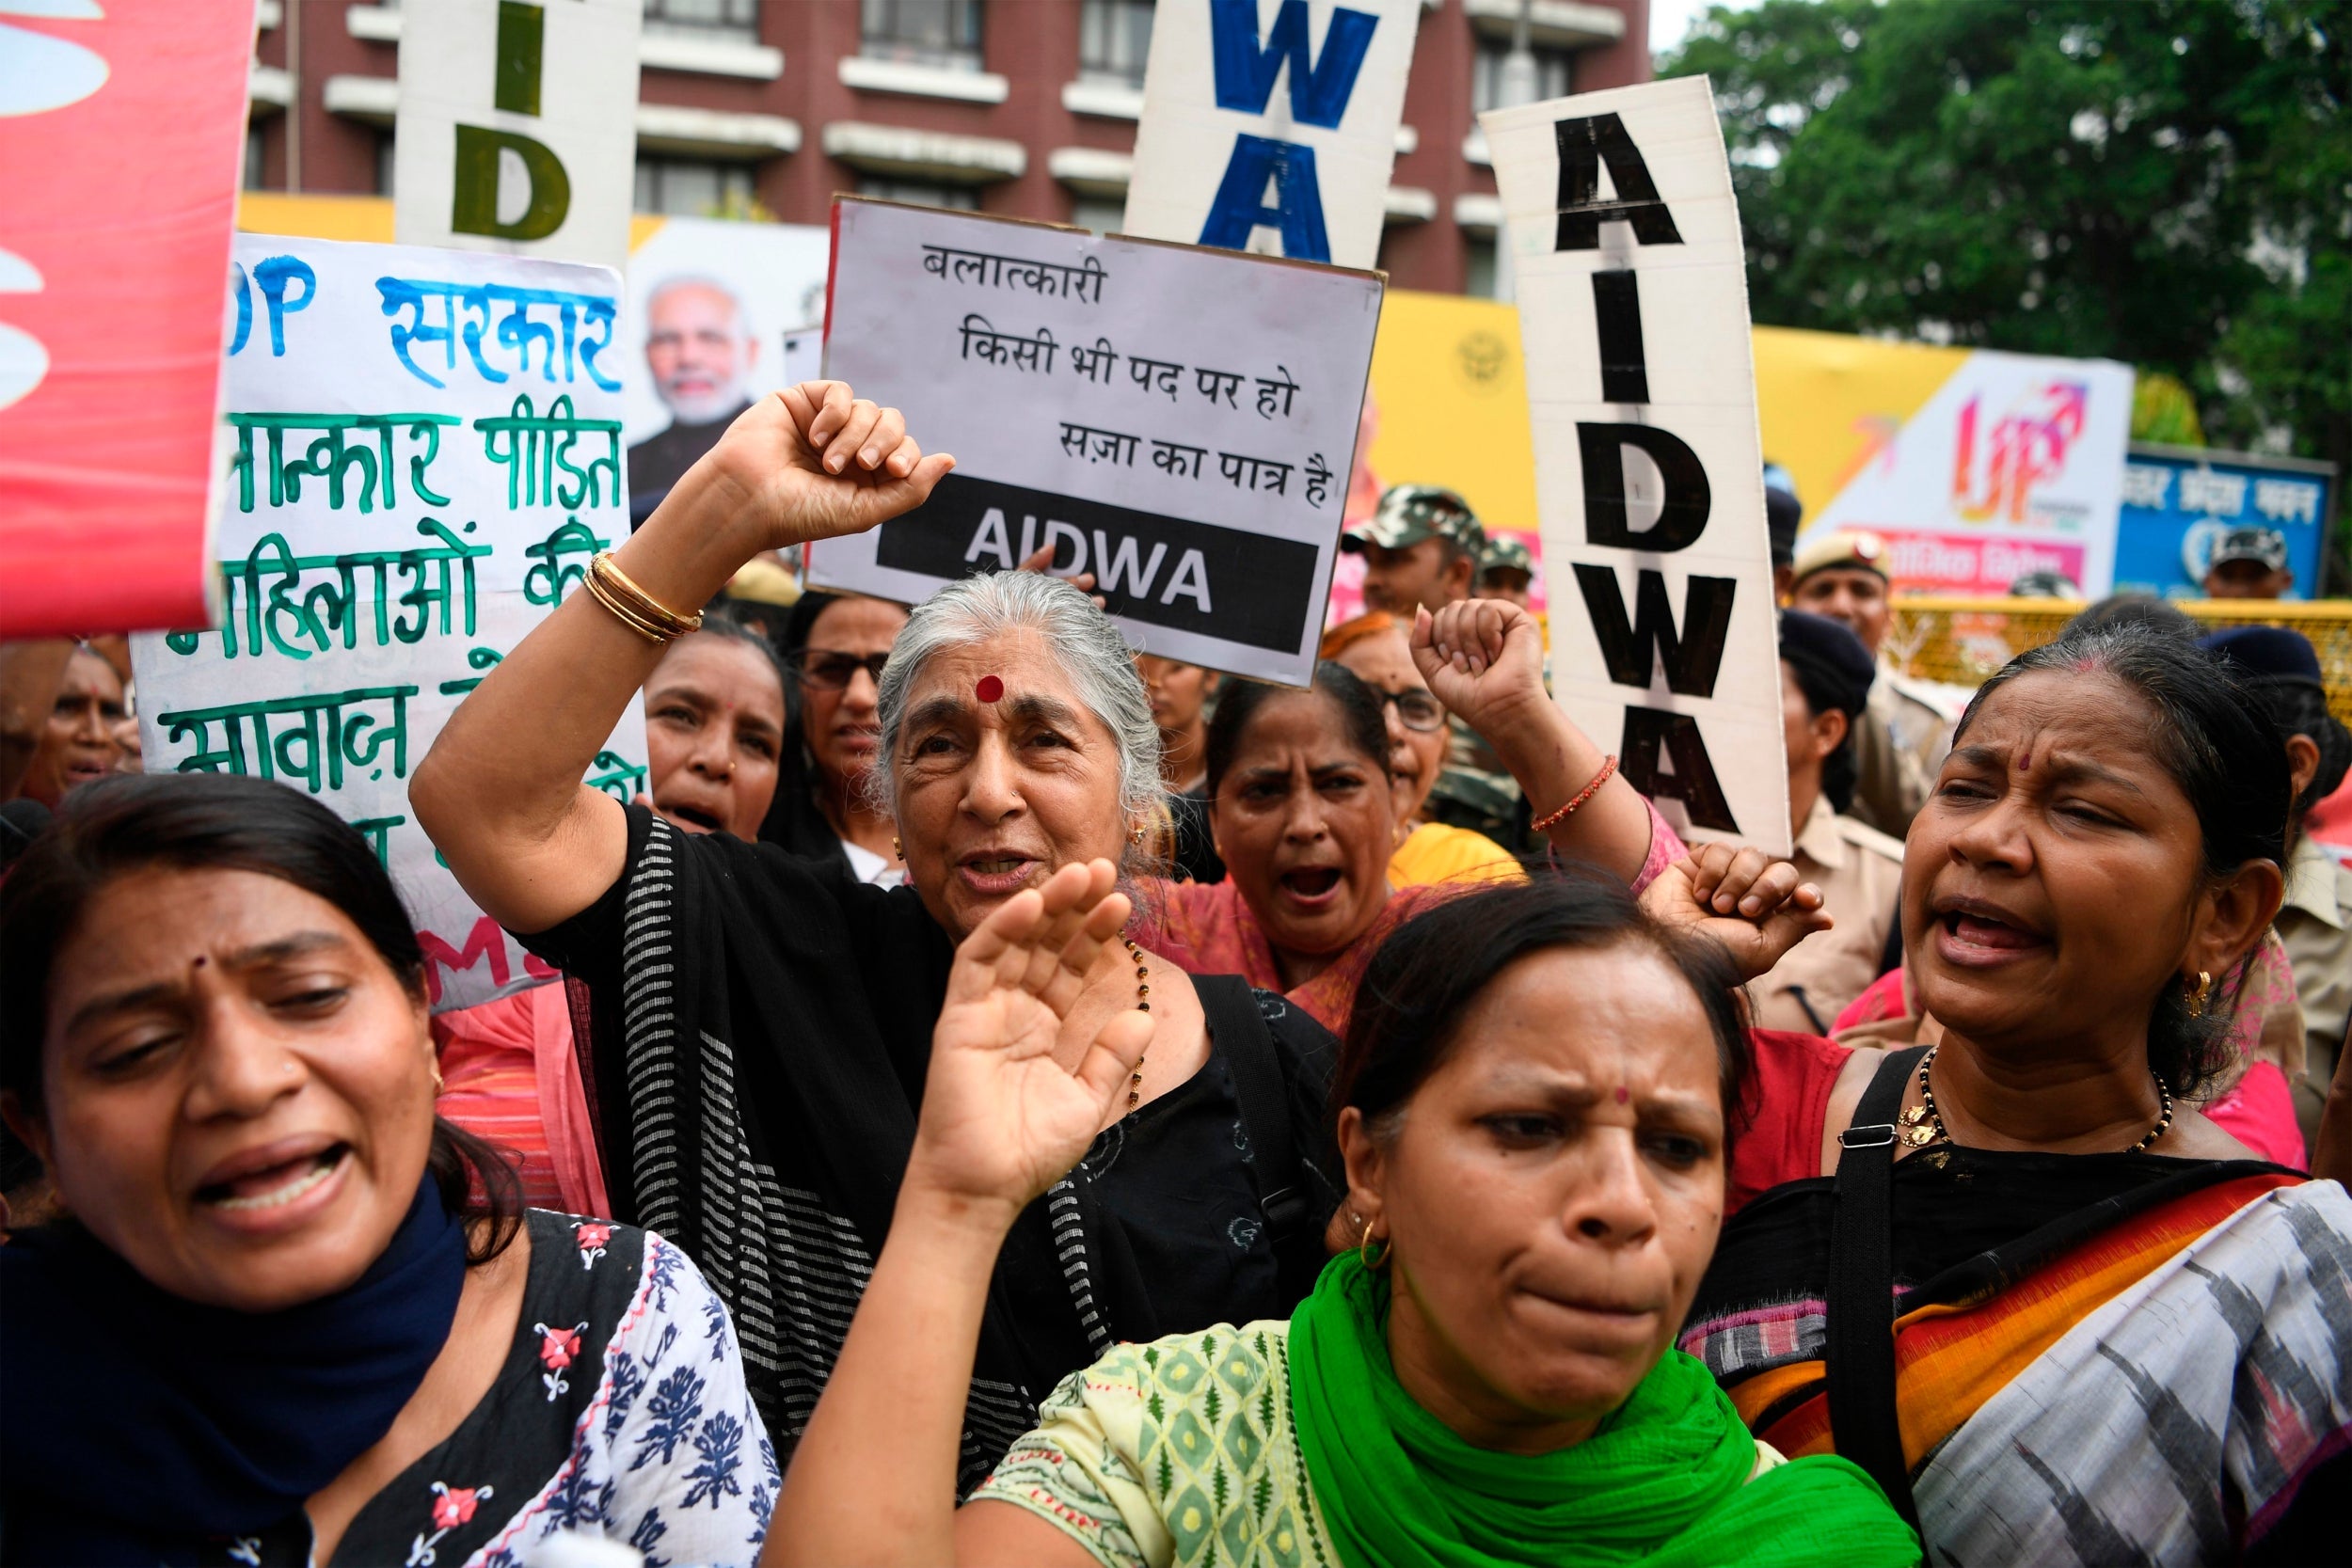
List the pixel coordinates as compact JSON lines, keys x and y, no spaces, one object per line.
{"x":1923,"y":1124}
{"x":1143,"y":1004}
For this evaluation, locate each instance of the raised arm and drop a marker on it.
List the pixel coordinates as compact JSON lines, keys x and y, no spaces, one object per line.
{"x":501,"y":793}
{"x":873,"y":1480}
{"x":1485,"y":660}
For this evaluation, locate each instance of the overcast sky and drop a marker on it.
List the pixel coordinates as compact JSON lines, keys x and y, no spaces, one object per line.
{"x":1669,"y":20}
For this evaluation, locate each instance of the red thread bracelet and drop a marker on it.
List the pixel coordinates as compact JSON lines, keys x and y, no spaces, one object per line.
{"x":1608,"y":766}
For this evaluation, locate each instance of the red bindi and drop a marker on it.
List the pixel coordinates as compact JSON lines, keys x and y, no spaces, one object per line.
{"x":202,"y":960}
{"x":989,"y":689}
{"x":1622,"y":1096}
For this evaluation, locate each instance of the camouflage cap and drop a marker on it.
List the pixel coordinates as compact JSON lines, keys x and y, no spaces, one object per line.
{"x":1506,"y":552}
{"x":1408,"y":513}
{"x":2265,"y":546}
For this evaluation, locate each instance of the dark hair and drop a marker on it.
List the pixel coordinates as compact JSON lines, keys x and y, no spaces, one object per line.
{"x":2300,"y":707}
{"x":1363,"y":718}
{"x":723,"y":624}
{"x":2133,"y":609}
{"x":2210,"y":733}
{"x":1841,"y":770}
{"x":114,"y":827}
{"x":1432,"y":969}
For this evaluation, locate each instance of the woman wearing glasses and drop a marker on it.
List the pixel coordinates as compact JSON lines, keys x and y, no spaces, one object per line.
{"x":1374,"y":648}
{"x":834,"y":646}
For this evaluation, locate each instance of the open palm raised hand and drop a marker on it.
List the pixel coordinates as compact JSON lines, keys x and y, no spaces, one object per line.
{"x":1003,"y":1119}
{"x":816,"y":461}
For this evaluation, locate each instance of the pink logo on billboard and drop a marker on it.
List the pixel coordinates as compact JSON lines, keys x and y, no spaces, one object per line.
{"x":1995,"y":470}
{"x":1970,"y":565}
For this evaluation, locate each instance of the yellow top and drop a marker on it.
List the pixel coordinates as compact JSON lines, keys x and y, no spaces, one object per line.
{"x":1438,"y":853}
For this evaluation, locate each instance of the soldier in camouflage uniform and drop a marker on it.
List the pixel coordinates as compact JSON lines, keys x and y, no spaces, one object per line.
{"x":1420,"y":548}
{"x":1507,"y":571}
{"x":1423,"y":548}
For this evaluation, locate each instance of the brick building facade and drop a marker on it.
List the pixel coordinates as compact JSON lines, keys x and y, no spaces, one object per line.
{"x":1019,"y":106}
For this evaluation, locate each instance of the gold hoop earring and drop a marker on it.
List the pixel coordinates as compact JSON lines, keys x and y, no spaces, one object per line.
{"x":1373,"y":1263}
{"x":2201,"y":996}
{"x":897,"y":851}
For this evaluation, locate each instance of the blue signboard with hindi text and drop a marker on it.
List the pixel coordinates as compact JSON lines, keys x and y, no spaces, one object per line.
{"x":2179,"y":500}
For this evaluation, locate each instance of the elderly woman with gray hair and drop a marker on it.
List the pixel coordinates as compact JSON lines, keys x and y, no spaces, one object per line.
{"x":763,"y":1022}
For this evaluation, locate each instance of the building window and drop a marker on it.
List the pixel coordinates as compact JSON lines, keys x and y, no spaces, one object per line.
{"x":1114,"y":40}
{"x":922,"y":32}
{"x":732,"y":19}
{"x":962,"y":199}
{"x":684,"y":189}
{"x":252,"y":157}
{"x":1479,"y":281}
{"x":1552,"y":74}
{"x":1104,"y":217}
{"x":384,"y":164}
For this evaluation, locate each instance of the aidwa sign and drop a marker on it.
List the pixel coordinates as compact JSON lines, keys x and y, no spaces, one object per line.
{"x":1634,"y":315}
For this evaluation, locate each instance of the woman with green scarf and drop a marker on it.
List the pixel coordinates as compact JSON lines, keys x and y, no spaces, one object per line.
{"x":1486,"y":1379}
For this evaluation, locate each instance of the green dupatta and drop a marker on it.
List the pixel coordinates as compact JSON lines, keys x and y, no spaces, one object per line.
{"x":1666,"y":1479}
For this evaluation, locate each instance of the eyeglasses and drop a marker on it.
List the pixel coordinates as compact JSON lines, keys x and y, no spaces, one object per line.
{"x":1416,"y":709}
{"x":833,"y":672}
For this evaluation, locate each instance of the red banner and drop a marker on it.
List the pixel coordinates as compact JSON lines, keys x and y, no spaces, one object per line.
{"x":122,"y":138}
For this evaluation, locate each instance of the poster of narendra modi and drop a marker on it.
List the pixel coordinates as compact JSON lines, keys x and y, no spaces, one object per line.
{"x":716,"y":312}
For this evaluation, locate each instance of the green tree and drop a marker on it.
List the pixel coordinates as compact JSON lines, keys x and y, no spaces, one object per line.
{"x":2166,"y":182}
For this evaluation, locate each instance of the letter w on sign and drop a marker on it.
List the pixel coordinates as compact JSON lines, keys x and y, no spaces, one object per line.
{"x":1648,"y":471}
{"x":1245,"y":71}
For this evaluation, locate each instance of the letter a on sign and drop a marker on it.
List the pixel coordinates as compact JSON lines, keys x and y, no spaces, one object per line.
{"x":1648,"y":471}
{"x":1270,"y":125}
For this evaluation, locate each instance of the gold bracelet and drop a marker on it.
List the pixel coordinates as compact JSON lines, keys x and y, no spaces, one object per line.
{"x":621,"y":612}
{"x":632,"y":606}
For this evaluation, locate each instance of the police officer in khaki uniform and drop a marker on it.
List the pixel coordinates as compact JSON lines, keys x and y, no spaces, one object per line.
{"x":1825,"y":682}
{"x":1900,"y":742}
{"x":1422,"y":548}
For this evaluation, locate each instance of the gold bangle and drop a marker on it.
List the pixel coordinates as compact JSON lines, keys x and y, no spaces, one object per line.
{"x":621,"y":612}
{"x":632,"y":606}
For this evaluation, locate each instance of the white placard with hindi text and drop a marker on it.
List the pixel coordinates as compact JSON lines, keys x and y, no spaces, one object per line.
{"x":1270,"y":125}
{"x":516,"y":130}
{"x":1180,"y":423}
{"x":424,"y":450}
{"x":1634,"y":318}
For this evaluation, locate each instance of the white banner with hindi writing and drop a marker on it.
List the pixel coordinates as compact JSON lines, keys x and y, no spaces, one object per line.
{"x":427,"y":448}
{"x":1270,"y":125}
{"x":1633,"y":319}
{"x":516,"y":130}
{"x":1178,"y":422}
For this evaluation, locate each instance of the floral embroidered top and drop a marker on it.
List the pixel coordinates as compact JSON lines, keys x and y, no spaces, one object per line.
{"x":621,"y":1411}
{"x":1181,"y":1453}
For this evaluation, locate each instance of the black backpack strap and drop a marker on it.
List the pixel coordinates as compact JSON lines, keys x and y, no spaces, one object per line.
{"x":1861,"y":1306}
{"x":1238,"y":1033}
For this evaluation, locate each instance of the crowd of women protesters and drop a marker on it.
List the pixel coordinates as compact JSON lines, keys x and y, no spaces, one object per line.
{"x":1010,"y":1100}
